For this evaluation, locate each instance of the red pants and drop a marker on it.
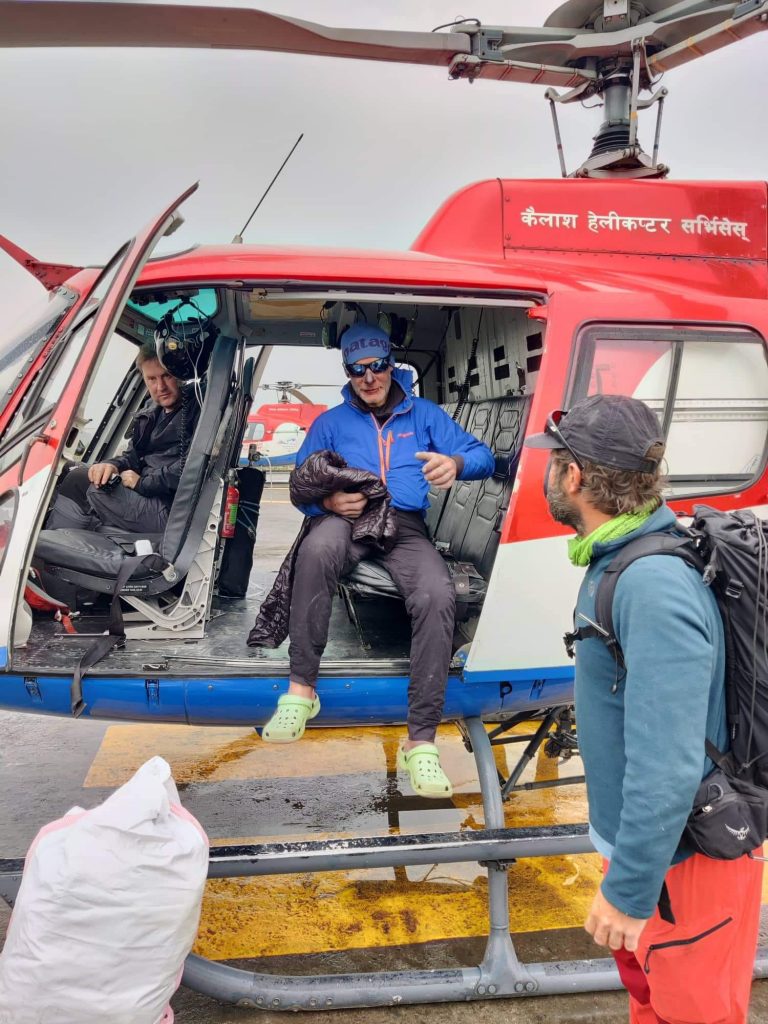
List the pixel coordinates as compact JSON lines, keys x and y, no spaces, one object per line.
{"x":698,"y":970}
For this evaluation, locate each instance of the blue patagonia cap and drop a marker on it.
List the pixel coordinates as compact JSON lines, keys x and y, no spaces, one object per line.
{"x":364,"y":341}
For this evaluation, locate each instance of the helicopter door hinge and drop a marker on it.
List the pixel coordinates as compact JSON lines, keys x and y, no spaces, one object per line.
{"x":486,"y":43}
{"x":32,"y":687}
{"x":615,"y":9}
{"x":538,"y":313}
{"x":152,"y":687}
{"x":747,"y":7}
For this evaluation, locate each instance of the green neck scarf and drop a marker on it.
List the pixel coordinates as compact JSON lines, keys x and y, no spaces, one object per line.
{"x":580,"y":548}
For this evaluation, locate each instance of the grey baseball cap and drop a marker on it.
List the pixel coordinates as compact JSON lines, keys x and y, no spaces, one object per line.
{"x":609,"y":430}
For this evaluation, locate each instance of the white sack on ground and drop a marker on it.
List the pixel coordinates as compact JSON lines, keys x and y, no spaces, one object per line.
{"x":107,"y":911}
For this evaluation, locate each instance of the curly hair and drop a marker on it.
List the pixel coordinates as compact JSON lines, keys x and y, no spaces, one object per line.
{"x":615,"y":491}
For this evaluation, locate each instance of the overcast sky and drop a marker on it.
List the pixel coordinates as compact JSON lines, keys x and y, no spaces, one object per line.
{"x":96,"y":142}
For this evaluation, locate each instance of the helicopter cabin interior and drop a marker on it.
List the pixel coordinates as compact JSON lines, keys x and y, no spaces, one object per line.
{"x":477,"y":356}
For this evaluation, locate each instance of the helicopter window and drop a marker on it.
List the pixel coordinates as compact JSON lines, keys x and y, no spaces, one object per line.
{"x":155,"y":305}
{"x":39,"y":401}
{"x":48,"y":386}
{"x":719,"y":422}
{"x":117,"y":357}
{"x":21,"y":349}
{"x":709,"y":389}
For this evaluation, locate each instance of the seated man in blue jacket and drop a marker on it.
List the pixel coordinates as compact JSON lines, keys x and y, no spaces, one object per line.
{"x":410,"y":443}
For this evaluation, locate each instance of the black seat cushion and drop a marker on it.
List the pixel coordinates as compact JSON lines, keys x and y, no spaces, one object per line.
{"x":122,"y":537}
{"x":371,"y":578}
{"x":85,"y":551}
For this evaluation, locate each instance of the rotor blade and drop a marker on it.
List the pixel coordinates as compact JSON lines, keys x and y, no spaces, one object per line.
{"x":301,"y":397}
{"x":113,"y":23}
{"x":715,"y":27}
{"x":731,"y":30}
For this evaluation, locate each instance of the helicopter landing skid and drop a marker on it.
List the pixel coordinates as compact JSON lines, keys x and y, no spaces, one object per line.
{"x":499,"y":974}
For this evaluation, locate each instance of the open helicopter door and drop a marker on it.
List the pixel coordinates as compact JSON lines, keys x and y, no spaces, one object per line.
{"x":26,"y":469}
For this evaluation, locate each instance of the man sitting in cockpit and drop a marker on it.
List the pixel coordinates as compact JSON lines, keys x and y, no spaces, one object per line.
{"x":134,"y":491}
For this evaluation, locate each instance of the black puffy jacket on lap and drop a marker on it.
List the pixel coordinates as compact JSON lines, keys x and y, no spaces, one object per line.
{"x":324,"y":473}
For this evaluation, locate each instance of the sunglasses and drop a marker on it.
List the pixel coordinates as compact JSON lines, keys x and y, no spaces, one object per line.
{"x":553,"y":428}
{"x":359,"y":369}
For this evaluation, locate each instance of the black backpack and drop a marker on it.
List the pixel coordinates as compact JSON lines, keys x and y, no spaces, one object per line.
{"x":730,"y":550}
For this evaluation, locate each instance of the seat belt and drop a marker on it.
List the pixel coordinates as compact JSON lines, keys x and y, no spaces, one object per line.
{"x":115,"y":635}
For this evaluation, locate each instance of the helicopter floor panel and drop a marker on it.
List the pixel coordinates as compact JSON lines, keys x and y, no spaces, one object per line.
{"x":378,"y":641}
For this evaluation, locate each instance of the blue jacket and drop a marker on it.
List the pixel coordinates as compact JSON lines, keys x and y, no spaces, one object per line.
{"x":416,"y":425}
{"x":643,"y":746}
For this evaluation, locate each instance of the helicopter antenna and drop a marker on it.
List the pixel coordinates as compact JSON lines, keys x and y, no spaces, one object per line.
{"x":238,"y":239}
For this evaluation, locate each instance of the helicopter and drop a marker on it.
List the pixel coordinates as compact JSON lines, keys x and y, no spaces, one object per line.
{"x":516,"y":298}
{"x":277,"y":429}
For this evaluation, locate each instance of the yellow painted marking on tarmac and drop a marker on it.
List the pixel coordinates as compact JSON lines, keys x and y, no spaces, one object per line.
{"x":210,"y":754}
{"x":331,"y":911}
{"x":295,"y":915}
{"x":352,"y":910}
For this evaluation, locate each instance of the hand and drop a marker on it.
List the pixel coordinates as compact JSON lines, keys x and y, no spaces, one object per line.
{"x":101,"y":473}
{"x":609,"y":927}
{"x":129,"y":478}
{"x":440,"y":470}
{"x":350,"y":506}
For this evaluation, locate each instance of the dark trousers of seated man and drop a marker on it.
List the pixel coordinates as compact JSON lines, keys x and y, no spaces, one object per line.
{"x":421,"y":576}
{"x":79,"y":505}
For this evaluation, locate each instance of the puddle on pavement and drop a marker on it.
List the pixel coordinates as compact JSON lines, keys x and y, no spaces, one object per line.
{"x":343,"y":783}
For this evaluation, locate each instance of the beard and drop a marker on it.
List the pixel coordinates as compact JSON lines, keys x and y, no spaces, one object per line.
{"x":562,"y":510}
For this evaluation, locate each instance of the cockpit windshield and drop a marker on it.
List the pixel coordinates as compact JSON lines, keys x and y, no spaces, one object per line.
{"x":20,"y":349}
{"x":182,"y":307}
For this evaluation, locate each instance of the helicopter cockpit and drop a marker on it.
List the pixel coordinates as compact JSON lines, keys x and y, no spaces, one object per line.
{"x":476,"y":356}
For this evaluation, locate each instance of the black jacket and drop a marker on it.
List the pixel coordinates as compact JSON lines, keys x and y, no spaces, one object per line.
{"x":159,"y":442}
{"x":323,"y":473}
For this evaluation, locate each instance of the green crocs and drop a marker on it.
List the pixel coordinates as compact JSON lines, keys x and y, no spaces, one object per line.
{"x":290,"y":718}
{"x":422,"y":763}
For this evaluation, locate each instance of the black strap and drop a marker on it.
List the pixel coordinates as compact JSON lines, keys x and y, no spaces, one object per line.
{"x":651,"y":544}
{"x":115,"y":636}
{"x":466,"y":386}
{"x":665,"y":906}
{"x":717,"y":757}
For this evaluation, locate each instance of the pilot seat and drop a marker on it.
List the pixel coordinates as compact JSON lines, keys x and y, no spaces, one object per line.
{"x":170,"y":590}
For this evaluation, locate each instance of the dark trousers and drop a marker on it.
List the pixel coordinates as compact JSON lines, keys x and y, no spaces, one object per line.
{"x":420,"y":574}
{"x":81,"y":506}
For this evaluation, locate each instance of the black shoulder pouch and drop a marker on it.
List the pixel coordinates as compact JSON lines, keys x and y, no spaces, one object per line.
{"x":729,"y":816}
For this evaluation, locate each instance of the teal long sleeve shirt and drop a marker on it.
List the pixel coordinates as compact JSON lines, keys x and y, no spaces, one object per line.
{"x":643,"y":746}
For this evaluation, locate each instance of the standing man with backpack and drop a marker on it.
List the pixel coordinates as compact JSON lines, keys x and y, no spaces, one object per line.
{"x":682,"y":927}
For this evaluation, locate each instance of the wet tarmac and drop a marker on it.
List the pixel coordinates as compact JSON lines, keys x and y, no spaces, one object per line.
{"x":335,"y":922}
{"x":336,"y":783}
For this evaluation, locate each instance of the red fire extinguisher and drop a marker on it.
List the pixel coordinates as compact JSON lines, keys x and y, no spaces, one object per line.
{"x":231,"y":502}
